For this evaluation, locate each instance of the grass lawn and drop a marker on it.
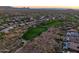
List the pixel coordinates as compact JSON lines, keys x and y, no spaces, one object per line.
{"x":36,"y":31}
{"x":33,"y":32}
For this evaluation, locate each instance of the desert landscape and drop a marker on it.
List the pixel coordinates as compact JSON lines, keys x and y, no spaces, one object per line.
{"x":42,"y":30}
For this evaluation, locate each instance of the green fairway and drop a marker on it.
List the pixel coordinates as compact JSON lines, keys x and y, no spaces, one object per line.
{"x":35,"y":31}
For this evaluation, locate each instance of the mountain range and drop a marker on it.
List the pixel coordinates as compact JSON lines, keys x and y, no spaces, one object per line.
{"x":15,"y":8}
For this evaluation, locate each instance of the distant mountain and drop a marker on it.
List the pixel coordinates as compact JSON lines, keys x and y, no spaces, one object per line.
{"x":50,"y":8}
{"x":5,"y":7}
{"x":11,"y":8}
{"x":14,"y":8}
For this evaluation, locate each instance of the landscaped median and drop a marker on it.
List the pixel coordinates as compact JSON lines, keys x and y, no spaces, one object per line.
{"x":36,"y":31}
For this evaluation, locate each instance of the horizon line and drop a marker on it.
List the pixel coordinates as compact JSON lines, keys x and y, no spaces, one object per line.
{"x":71,"y":7}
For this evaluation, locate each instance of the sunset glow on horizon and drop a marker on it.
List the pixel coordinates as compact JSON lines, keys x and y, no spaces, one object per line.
{"x":72,"y":7}
{"x":41,"y":3}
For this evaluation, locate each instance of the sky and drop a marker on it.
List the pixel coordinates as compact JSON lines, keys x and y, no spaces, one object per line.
{"x":42,"y":3}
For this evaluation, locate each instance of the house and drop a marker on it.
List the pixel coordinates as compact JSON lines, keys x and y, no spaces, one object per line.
{"x":6,"y":30}
{"x":72,"y":40}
